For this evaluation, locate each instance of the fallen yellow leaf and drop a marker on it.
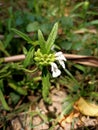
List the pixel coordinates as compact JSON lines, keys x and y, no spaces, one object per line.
{"x":87,"y":108}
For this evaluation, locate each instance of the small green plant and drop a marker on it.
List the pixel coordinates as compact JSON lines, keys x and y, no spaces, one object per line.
{"x":43,"y":54}
{"x":43,"y":57}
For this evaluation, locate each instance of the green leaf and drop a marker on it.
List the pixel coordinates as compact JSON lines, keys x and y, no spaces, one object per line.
{"x":67,"y":105}
{"x":93,"y":95}
{"x":45,"y":84}
{"x":31,"y":27}
{"x":65,"y":45}
{"x":67,"y":23}
{"x":85,"y":51}
{"x":80,"y":67}
{"x":8,"y":39}
{"x":23,"y":35}
{"x":3,"y":101}
{"x":29,"y":57}
{"x":45,"y":28}
{"x":17,"y":88}
{"x":42,"y":42}
{"x":77,"y":6}
{"x":76,"y":46}
{"x":52,"y":37}
{"x":25,"y":50}
{"x":2,"y":48}
{"x":5,"y":72}
{"x":15,"y":97}
{"x":94,"y":22}
{"x":1,"y":85}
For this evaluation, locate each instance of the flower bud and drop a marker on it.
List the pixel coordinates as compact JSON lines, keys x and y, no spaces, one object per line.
{"x":86,"y":5}
{"x":43,"y":59}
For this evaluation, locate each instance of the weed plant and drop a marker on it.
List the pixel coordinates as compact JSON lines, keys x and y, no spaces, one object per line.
{"x":43,"y":31}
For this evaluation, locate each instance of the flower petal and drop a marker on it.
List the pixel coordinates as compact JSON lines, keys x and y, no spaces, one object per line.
{"x":56,"y":74}
{"x":53,"y":65}
{"x":62,"y":63}
{"x":58,"y":53}
{"x":60,"y":56}
{"x":55,"y":71}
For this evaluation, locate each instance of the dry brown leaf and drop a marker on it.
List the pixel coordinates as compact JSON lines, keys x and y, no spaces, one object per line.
{"x":69,"y":118}
{"x":86,"y":108}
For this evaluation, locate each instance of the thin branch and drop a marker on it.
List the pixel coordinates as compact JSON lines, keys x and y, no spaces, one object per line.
{"x":14,"y":58}
{"x":85,"y":60}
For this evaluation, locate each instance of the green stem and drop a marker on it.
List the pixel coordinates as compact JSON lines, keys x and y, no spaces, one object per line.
{"x":45,"y":84}
{"x":29,"y":71}
{"x":37,"y":79}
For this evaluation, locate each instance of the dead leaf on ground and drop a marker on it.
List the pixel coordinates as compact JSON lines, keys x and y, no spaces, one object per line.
{"x":87,"y":108}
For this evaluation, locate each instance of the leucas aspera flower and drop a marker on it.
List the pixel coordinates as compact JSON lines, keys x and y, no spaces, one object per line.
{"x":55,"y":71}
{"x":54,"y":68}
{"x":61,"y":58}
{"x":49,"y":59}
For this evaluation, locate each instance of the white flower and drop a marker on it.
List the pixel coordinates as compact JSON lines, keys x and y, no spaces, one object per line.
{"x":54,"y":68}
{"x":60,"y":57}
{"x":55,"y":71}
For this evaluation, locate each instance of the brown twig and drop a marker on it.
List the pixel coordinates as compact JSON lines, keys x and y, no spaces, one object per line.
{"x":14,"y":58}
{"x":85,"y":60}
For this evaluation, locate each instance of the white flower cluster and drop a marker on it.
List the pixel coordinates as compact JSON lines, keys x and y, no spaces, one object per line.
{"x":54,"y":68}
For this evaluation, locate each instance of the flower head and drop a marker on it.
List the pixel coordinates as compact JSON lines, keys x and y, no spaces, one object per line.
{"x":43,"y":59}
{"x":49,"y":59}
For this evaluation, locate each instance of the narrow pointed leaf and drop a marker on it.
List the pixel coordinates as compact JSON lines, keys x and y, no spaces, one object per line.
{"x":17,"y":88}
{"x":3,"y":101}
{"x":45,"y":85}
{"x":29,"y":57}
{"x":42,"y":42}
{"x":23,"y":35}
{"x":52,"y":37}
{"x":77,"y":6}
